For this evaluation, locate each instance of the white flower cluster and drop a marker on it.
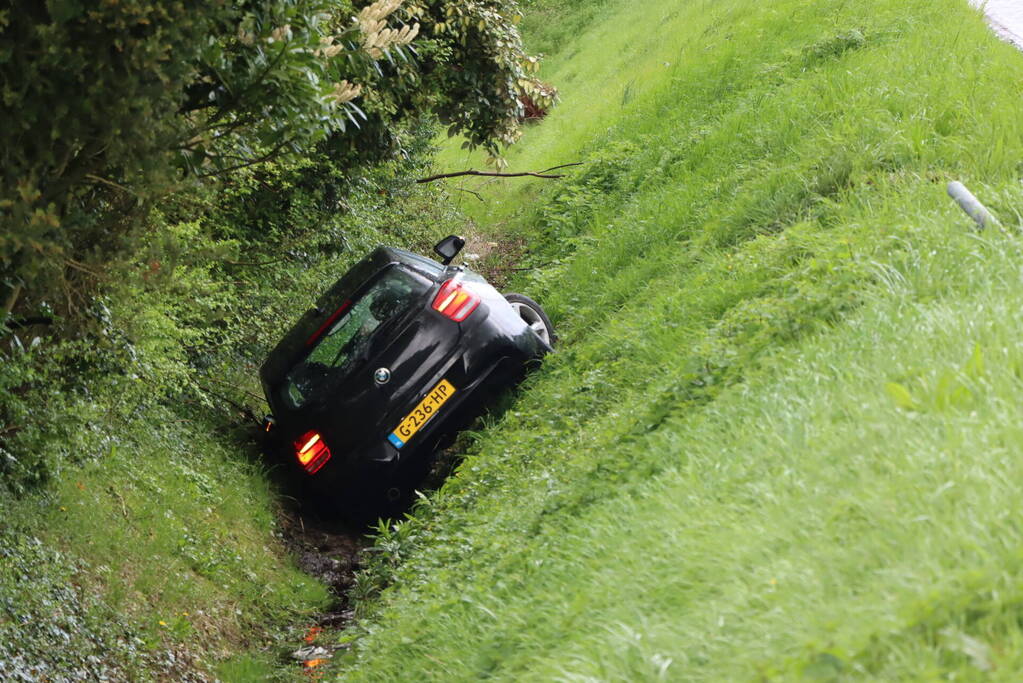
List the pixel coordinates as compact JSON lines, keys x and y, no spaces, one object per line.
{"x":329,"y":49}
{"x":345,"y":92}
{"x":377,"y":37}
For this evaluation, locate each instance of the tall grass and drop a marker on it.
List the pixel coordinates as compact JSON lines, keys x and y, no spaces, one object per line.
{"x":779,"y":440}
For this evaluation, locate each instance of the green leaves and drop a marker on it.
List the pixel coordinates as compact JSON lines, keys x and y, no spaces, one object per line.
{"x":974,"y":368}
{"x":113,"y":108}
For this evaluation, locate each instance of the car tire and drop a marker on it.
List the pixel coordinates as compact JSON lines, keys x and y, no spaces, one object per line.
{"x":534,"y":316}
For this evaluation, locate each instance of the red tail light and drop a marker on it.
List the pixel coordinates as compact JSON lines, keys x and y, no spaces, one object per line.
{"x":311,"y":452}
{"x":455,"y":301}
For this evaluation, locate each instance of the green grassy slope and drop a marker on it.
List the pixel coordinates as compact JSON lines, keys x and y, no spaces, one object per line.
{"x":779,"y":438}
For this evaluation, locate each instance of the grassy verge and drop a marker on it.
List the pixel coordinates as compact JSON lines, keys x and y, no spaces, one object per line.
{"x":778,"y":440}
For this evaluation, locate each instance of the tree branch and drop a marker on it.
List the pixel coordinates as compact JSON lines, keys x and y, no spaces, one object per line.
{"x":238,"y":97}
{"x":494,"y":174}
{"x":246,"y":412}
{"x":81,"y":267}
{"x":111,"y":183}
{"x":475,"y":194}
{"x":263,"y":159}
{"x":28,"y":322}
{"x":508,"y":269}
{"x":555,"y":168}
{"x":254,"y":263}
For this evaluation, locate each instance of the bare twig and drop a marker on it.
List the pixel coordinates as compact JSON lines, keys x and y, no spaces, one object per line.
{"x":496,"y":174}
{"x":111,"y":183}
{"x":228,"y":384}
{"x":263,"y":159}
{"x":474,"y":193}
{"x":253,"y":263}
{"x":79,"y":266}
{"x":237,"y":97}
{"x":248,"y":414}
{"x":28,"y":322}
{"x":555,"y":168}
{"x":507,"y":269}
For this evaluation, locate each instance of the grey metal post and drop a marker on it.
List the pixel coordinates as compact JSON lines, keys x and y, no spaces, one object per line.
{"x":971,"y":205}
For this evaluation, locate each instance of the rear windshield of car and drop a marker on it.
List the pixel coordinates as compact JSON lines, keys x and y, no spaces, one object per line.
{"x":340,"y":347}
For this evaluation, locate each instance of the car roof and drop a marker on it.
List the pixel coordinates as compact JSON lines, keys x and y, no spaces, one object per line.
{"x":421,"y":263}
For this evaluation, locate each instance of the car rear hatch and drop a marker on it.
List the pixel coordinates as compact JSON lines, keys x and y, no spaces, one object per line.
{"x":367,"y":363}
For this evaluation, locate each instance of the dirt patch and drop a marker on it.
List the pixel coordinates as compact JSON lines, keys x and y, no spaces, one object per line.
{"x":496,"y":260}
{"x":327,"y":549}
{"x":330,"y":549}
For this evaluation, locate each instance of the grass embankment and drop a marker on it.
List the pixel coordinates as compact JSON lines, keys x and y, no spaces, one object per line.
{"x":781,"y":437}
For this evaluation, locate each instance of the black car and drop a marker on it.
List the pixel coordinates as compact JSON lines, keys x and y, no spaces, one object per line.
{"x":393,"y":359}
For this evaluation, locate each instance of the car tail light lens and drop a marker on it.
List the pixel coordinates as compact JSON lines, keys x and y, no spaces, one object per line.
{"x":455,"y":301}
{"x":312,"y":452}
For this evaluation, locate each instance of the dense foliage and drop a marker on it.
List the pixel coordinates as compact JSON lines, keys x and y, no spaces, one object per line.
{"x":179,"y":179}
{"x":156,"y":495}
{"x":110,"y":105}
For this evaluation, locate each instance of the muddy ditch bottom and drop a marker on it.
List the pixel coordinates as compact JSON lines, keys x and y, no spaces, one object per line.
{"x":330,"y":549}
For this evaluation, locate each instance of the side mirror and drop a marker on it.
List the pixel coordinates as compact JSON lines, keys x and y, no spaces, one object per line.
{"x":449,"y":247}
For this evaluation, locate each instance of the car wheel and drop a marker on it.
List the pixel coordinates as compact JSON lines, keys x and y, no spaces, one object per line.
{"x":533,"y":315}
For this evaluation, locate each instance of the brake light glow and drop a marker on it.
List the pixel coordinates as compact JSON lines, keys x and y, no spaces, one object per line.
{"x":455,"y":301}
{"x":311,"y":452}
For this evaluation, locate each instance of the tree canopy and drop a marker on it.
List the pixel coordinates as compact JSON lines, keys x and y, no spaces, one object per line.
{"x":110,"y":105}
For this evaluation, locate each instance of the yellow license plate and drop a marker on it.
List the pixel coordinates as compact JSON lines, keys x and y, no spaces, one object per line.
{"x":422,"y":413}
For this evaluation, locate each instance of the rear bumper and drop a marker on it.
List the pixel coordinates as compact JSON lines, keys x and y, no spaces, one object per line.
{"x":378,"y":463}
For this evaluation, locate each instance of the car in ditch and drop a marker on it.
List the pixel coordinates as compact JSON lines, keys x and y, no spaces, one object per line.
{"x":393,"y":360}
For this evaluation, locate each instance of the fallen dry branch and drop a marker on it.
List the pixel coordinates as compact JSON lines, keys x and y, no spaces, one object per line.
{"x":496,"y":174}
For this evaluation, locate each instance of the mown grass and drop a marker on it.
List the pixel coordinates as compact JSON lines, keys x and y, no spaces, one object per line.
{"x":778,"y":439}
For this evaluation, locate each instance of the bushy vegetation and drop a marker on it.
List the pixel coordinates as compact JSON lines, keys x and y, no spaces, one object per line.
{"x":156,"y":561}
{"x":154,"y":523}
{"x":111,"y":105}
{"x":777,"y":441}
